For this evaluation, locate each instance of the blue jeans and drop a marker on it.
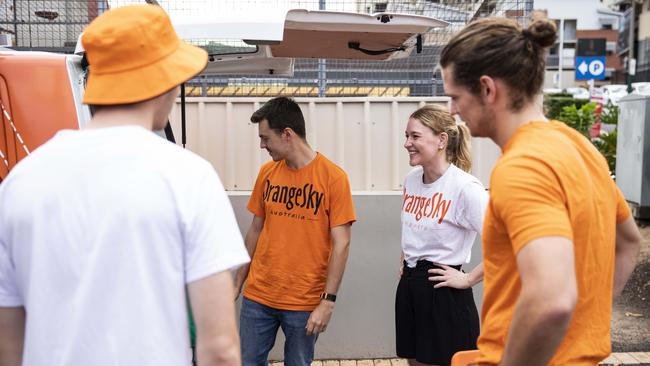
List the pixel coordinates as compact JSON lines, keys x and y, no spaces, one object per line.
{"x":258,"y":327}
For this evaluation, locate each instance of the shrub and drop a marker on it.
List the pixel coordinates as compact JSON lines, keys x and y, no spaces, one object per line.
{"x":606,"y":144}
{"x":580,"y":119}
{"x":581,"y":115}
{"x":554,"y":103}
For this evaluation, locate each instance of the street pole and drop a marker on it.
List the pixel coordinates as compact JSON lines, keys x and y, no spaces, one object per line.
{"x":561,"y":54}
{"x":630,"y":50}
{"x":15,"y":24}
{"x":68,"y":27}
{"x":322,"y":66}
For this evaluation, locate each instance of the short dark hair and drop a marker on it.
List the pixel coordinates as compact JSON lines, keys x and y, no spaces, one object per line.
{"x":501,"y":48}
{"x":281,"y":113}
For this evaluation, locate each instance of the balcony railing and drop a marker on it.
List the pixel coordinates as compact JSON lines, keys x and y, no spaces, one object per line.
{"x":553,"y":61}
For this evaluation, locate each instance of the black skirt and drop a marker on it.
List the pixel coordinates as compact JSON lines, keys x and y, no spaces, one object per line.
{"x":433,"y":323}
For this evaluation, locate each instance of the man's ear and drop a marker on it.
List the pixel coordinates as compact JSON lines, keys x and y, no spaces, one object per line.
{"x":488,"y":89}
{"x":288,"y":133}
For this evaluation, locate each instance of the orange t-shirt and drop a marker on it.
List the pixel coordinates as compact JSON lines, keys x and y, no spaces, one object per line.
{"x":299,"y":207}
{"x":551,"y":181}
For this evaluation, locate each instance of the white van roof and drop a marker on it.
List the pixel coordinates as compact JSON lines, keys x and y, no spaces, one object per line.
{"x":276,"y":37}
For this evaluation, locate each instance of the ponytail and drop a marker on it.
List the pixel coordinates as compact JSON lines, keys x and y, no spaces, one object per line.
{"x":459,"y":150}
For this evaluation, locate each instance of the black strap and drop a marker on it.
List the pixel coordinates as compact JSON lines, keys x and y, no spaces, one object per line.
{"x":169,"y":133}
{"x":183,"y":136}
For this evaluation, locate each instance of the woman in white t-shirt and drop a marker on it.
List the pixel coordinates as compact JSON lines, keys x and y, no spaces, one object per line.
{"x":442,"y":213}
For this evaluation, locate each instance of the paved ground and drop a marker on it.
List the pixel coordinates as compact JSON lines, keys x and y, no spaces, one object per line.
{"x":616,"y":359}
{"x":630,"y":358}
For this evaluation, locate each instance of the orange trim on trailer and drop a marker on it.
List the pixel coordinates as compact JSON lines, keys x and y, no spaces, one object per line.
{"x":36,"y":91}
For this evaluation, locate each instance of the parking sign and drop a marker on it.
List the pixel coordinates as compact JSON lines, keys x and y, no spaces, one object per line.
{"x":592,"y":67}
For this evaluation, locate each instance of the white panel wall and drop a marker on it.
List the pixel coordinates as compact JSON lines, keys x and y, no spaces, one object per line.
{"x":364,"y":136}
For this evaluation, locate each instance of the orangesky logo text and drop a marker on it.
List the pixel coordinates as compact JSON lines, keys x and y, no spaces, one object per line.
{"x":434,"y":207}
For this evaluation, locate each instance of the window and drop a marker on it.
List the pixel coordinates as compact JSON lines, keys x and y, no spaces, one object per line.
{"x":570,"y":26}
{"x":102,"y":6}
{"x":380,"y":7}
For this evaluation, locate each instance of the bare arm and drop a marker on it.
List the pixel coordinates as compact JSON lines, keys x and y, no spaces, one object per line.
{"x":12,"y":335}
{"x":546,"y":303}
{"x":476,"y":275}
{"x":340,"y":250}
{"x":451,"y":277}
{"x":217,"y":341}
{"x":320,"y":317}
{"x":628,"y":244}
{"x":252,"y":235}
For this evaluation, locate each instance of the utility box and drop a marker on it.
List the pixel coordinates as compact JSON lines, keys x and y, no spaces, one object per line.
{"x":633,"y":153}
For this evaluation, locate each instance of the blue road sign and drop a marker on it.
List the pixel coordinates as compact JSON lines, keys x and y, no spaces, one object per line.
{"x":588,"y":68}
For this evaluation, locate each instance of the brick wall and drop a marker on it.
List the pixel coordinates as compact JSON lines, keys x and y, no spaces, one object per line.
{"x":611,"y":35}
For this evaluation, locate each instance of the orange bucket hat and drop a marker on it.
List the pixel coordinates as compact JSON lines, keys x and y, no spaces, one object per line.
{"x":135,"y":55}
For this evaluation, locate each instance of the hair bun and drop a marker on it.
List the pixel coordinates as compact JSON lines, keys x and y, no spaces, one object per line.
{"x":541,"y":30}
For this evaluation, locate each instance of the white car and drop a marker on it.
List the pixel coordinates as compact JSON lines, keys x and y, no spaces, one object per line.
{"x":578,"y":93}
{"x":642,"y":88}
{"x":552,"y":91}
{"x":613,"y":93}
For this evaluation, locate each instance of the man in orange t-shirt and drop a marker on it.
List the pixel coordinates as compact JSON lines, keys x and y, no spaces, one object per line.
{"x":298,"y":241}
{"x":558,"y":238}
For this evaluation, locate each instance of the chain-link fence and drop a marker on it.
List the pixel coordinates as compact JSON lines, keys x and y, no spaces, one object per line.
{"x":56,"y":25}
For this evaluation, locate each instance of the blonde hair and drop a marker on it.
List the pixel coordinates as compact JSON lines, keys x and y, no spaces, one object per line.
{"x":439,"y":120}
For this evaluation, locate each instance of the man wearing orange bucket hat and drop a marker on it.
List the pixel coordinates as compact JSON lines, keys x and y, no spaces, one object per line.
{"x":103,"y":230}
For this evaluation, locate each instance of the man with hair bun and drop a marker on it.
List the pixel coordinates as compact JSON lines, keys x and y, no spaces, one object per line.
{"x":559,"y":241}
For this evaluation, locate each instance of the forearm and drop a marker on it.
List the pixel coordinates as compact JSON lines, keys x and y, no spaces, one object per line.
{"x":626,"y":257}
{"x":536,"y":330}
{"x":475,"y":275}
{"x":223,"y":351}
{"x":12,"y":334}
{"x":336,"y":267}
{"x":250,"y":242}
{"x":216,"y":328}
{"x":241,"y":274}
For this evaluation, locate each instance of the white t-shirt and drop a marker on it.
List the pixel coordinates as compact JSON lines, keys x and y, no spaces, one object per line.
{"x":100,"y":231}
{"x":440,"y":220}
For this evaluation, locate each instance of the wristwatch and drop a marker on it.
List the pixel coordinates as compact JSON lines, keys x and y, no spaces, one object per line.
{"x":328,"y":297}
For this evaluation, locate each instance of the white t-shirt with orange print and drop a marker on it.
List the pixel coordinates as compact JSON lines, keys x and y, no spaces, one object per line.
{"x":440,"y":220}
